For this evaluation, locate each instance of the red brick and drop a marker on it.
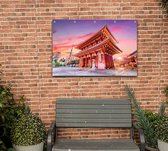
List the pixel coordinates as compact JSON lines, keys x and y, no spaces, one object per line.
{"x":25,"y":47}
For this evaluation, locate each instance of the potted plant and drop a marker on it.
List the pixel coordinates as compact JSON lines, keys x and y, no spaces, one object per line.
{"x":145,"y":120}
{"x":10,"y":111}
{"x":164,"y":4}
{"x":161,"y":129}
{"x":28,"y":133}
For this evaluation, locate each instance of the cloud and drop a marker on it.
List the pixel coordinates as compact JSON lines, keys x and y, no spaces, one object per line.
{"x":59,"y":48}
{"x":69,"y":41}
{"x":116,"y":29}
{"x":127,"y":44}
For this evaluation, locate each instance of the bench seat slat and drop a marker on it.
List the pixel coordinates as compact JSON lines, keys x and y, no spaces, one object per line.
{"x":94,"y":125}
{"x":79,"y":111}
{"x":89,"y":101}
{"x":67,"y":120}
{"x":96,"y":145}
{"x":84,"y":106}
{"x":90,"y":116}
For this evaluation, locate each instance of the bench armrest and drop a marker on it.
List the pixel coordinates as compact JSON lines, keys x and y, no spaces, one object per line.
{"x":141,"y":137}
{"x":142,"y":140}
{"x":51,"y":134}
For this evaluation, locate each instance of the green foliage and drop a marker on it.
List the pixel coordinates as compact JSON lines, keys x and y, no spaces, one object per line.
{"x":11,"y":149}
{"x":166,"y":91}
{"x":0,"y":71}
{"x":161,"y":129}
{"x":57,"y":64}
{"x":163,"y":108}
{"x":154,"y":125}
{"x":164,"y":4}
{"x":73,"y":63}
{"x":10,"y":110}
{"x":145,"y":120}
{"x":152,"y":117}
{"x":28,"y":130}
{"x":2,"y":146}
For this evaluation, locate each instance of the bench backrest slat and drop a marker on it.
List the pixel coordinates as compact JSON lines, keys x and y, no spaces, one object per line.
{"x":93,"y":113}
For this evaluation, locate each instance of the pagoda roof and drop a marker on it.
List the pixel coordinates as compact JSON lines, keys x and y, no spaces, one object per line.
{"x":133,"y":53}
{"x":103,"y":30}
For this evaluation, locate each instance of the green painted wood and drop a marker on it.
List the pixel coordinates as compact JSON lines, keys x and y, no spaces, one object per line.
{"x":85,"y":106}
{"x":96,"y":145}
{"x":91,"y":101}
{"x":93,"y":113}
{"x":94,"y":125}
{"x":98,"y":120}
{"x":96,"y":111}
{"x":94,"y":116}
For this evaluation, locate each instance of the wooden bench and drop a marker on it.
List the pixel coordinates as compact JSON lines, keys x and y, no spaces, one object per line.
{"x":93,"y":113}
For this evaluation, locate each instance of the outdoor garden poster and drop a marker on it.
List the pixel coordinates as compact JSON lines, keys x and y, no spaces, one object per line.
{"x":94,"y":48}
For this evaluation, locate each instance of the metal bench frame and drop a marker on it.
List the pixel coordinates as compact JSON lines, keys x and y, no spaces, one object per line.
{"x":71,"y":107}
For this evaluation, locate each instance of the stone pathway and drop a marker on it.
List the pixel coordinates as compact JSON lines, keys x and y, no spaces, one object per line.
{"x":76,"y":71}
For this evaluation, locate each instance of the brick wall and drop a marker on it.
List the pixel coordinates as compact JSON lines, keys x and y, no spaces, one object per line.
{"x":25,"y":54}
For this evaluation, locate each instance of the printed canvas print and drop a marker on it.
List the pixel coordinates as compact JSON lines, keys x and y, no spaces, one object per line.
{"x":94,"y":47}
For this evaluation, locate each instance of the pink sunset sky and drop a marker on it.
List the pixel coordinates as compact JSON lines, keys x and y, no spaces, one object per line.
{"x":69,"y":33}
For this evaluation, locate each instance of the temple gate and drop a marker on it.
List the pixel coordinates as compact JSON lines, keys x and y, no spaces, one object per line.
{"x":98,"y":50}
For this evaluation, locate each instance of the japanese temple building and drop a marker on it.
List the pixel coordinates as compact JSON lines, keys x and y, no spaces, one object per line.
{"x":98,"y":50}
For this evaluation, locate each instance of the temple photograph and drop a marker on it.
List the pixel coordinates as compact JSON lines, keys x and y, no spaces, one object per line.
{"x":94,"y":48}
